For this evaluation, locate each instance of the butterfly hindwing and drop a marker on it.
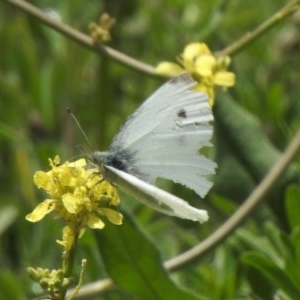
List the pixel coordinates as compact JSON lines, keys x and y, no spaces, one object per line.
{"x":154,"y":197}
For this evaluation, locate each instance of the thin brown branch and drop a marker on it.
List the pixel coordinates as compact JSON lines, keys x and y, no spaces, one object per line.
{"x":251,"y":36}
{"x":82,"y":38}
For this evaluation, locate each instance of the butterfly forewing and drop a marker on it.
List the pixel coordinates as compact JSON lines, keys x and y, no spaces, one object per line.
{"x":165,"y":134}
{"x":152,"y":112}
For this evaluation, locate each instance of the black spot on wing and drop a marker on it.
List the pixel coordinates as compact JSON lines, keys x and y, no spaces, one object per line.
{"x":182,"y":113}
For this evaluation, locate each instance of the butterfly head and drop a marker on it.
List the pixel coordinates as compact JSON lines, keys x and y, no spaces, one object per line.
{"x":98,"y":159}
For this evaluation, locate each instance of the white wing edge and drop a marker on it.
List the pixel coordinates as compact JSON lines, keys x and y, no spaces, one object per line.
{"x":154,"y":197}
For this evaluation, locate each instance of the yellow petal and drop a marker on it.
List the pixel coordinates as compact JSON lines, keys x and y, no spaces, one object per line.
{"x":223,"y":62}
{"x":115,"y":199}
{"x":78,"y":163}
{"x":67,"y":238}
{"x":225,"y":79}
{"x":168,"y":69}
{"x":93,"y":181}
{"x":113,"y":216}
{"x":192,"y":50}
{"x":41,"y":210}
{"x":65,"y":177}
{"x":42,"y":180}
{"x":55,"y":161}
{"x":70,"y":203}
{"x":99,"y":189}
{"x":205,"y":65}
{"x":95,"y":222}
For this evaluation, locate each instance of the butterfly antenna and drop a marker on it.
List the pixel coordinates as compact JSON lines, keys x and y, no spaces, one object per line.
{"x":80,"y":128}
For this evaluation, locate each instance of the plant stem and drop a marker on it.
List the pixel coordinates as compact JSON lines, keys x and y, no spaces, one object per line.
{"x":251,"y":36}
{"x":68,"y":260}
{"x":82,"y":38}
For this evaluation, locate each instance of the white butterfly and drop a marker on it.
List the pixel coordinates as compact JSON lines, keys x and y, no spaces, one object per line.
{"x":162,"y":139}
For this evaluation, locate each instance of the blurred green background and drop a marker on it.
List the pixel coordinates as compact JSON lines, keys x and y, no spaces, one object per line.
{"x":43,"y":72}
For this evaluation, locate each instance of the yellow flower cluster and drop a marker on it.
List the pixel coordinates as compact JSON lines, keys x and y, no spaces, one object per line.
{"x":79,"y":195}
{"x":207,"y":69}
{"x":100,"y":32}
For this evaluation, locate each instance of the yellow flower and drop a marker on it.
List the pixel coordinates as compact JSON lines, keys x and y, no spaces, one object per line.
{"x":207,"y":69}
{"x":79,"y":195}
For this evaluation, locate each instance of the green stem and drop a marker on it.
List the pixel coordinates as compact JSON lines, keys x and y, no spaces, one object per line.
{"x":80,"y":282}
{"x":68,"y":260}
{"x":251,"y":36}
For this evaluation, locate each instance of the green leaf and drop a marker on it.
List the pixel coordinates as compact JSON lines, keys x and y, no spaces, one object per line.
{"x":280,"y":241}
{"x":277,"y":276}
{"x":292,"y":205}
{"x":241,"y":134}
{"x":274,"y":103}
{"x":11,"y":286}
{"x":134,"y":263}
{"x":286,"y":250}
{"x":248,"y":142}
{"x":248,"y":240}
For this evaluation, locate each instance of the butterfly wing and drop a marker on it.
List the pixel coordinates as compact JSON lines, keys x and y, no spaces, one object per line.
{"x":154,"y":197}
{"x":163,"y":136}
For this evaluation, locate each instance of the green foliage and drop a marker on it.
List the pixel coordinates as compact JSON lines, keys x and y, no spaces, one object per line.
{"x":43,"y":72}
{"x":247,"y":150}
{"x":275,"y":256}
{"x":127,"y":250}
{"x":293,"y":205}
